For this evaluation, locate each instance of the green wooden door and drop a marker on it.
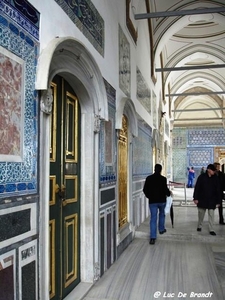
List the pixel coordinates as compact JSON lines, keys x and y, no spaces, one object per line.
{"x":64,"y":224}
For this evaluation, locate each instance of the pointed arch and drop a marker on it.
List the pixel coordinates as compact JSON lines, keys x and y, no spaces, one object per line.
{"x":126,"y":106}
{"x":68,"y":57}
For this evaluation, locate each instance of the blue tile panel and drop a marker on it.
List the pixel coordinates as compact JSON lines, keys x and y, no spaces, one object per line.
{"x":142,"y":151}
{"x":23,"y":15}
{"x":18,"y":35}
{"x":199,"y":157}
{"x":194,"y":147}
{"x":86,"y":17}
{"x":206,"y":137}
{"x":107,"y":129}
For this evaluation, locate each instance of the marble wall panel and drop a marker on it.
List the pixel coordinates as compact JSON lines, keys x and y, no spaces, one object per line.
{"x":8,"y":275}
{"x":107,"y":237}
{"x":18,"y":222}
{"x":28,"y":270}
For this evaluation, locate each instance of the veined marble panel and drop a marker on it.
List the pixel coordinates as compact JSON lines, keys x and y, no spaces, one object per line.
{"x":8,"y":275}
{"x":28,"y":271}
{"x":32,"y":223}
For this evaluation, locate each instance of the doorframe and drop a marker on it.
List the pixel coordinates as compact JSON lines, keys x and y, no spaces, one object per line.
{"x":84,"y":76}
{"x":126,"y":107}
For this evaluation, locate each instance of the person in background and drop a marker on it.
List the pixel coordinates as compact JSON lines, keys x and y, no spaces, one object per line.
{"x":207,"y":195}
{"x":191,"y":176}
{"x":202,"y":170}
{"x":156,"y":190}
{"x":221,"y":177}
{"x":188,"y":169}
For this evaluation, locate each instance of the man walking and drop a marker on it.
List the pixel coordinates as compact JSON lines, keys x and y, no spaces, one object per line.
{"x":156,"y":190}
{"x":221,"y":177}
{"x":207,"y":196}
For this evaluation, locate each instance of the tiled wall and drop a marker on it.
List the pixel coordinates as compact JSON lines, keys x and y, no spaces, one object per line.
{"x":107,"y":182}
{"x":19,"y":50}
{"x":142,"y":151}
{"x":19,"y":46}
{"x":194,"y":147}
{"x":86,"y":17}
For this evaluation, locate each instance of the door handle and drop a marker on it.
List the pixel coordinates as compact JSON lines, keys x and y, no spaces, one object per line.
{"x":62,"y":195}
{"x":56,"y":188}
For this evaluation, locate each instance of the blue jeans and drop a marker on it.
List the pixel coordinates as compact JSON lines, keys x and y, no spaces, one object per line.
{"x":154,"y":207}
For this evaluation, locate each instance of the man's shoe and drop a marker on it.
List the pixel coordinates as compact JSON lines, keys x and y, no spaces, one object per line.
{"x":161,"y":232}
{"x":222,"y":223}
{"x":152,"y":241}
{"x":212,"y":232}
{"x":199,"y":229}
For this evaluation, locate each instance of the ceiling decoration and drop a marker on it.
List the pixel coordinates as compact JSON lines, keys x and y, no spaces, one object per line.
{"x":189,"y":57}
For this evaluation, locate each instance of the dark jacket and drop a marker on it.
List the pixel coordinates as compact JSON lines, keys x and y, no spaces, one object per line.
{"x":207,"y":191}
{"x":221,"y":177}
{"x":155,"y":188}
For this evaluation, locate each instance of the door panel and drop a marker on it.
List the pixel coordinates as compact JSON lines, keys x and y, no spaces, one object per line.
{"x":64,"y":191}
{"x":123,"y":215}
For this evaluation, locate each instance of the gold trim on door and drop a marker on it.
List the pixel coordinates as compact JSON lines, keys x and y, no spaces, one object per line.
{"x":72,"y":197}
{"x":123,"y":137}
{"x":53,"y":126}
{"x":70,"y":269}
{"x":52,"y":257}
{"x":71,"y":131}
{"x":53,"y":191}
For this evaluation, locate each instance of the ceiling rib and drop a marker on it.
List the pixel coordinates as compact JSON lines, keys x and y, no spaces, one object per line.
{"x":195,"y":94}
{"x":179,"y":13}
{"x":185,"y":68}
{"x":198,"y":109}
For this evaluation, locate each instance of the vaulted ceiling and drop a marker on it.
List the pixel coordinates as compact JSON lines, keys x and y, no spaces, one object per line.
{"x":188,"y":40}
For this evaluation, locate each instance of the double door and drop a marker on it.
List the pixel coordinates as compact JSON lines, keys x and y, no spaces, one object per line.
{"x":64,"y":200}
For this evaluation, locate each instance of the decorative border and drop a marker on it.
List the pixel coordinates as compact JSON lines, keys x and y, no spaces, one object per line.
{"x":86,"y":17}
{"x":20,"y":178}
{"x":19,"y":14}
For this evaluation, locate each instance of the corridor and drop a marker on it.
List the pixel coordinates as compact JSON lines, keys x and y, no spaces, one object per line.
{"x":183,"y":264}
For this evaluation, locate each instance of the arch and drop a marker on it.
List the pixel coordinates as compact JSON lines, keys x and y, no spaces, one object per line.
{"x":126,"y":106}
{"x":170,"y":30}
{"x":69,"y":58}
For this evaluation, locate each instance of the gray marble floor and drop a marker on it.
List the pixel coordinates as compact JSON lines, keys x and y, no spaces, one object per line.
{"x":183,"y":264}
